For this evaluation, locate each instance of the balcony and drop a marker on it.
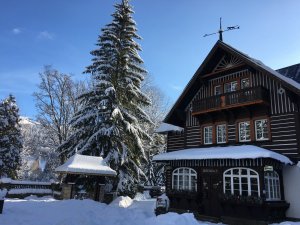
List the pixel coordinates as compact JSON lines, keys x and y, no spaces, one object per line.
{"x":244,"y":97}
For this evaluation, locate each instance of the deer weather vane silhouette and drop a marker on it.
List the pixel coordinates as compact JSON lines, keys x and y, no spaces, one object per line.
{"x":220,"y":31}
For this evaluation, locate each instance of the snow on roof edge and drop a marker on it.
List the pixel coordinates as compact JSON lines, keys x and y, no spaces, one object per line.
{"x":165,"y":127}
{"x":259,"y":63}
{"x":92,"y":165}
{"x":228,"y":152}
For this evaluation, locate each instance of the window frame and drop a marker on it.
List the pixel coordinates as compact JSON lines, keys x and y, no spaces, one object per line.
{"x":273,"y":186}
{"x":204,"y":135}
{"x":218,"y":86}
{"x":191,"y":174}
{"x":268,"y":131}
{"x":239,"y":131}
{"x":240,"y":176}
{"x":231,"y":82}
{"x":217,"y":133}
{"x":245,"y":78}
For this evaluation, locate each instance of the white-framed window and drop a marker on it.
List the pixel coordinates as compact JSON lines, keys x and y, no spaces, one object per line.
{"x":245,"y":83}
{"x":244,"y":131}
{"x":261,"y":130}
{"x":217,"y":90}
{"x":207,"y":135}
{"x":272,"y":186}
{"x":230,"y":86}
{"x":184,"y":178}
{"x":221,"y":133}
{"x":241,"y":181}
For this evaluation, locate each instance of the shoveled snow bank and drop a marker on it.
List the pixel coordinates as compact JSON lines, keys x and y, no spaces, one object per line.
{"x":142,"y":196}
{"x":122,"y":201}
{"x":87,"y":212}
{"x":43,"y":198}
{"x":229,"y":152}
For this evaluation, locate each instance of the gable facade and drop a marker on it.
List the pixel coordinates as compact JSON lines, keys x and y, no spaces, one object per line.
{"x":233,"y":102}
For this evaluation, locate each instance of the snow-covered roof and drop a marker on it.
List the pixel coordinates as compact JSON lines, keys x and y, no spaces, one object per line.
{"x":229,"y":152}
{"x":268,"y":69}
{"x":83,"y":164}
{"x":165,"y":127}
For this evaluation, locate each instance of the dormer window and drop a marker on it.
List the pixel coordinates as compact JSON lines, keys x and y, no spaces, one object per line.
{"x":230,"y":86}
{"x":218,"y":90}
{"x":245,"y":83}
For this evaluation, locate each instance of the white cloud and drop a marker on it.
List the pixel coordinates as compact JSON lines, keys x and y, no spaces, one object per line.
{"x":16,"y":30}
{"x":46,"y":35}
{"x":176,"y":87}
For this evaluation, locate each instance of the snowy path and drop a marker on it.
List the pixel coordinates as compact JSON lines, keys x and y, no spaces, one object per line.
{"x":86,"y":212}
{"x":76,"y":212}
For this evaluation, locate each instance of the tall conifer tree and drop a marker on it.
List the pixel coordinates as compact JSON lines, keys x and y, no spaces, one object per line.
{"x":10,"y":138}
{"x":108,"y":124}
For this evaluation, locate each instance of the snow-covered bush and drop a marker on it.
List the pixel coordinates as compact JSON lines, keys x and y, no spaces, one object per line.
{"x":2,"y":193}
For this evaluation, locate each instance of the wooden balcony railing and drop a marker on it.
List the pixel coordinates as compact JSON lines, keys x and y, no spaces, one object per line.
{"x":247,"y":96}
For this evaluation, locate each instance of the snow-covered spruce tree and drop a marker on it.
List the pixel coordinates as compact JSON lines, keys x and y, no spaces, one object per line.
{"x":10,"y":138}
{"x":108,"y":124}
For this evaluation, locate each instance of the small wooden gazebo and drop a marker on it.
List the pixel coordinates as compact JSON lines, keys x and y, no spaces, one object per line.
{"x":83,"y":170}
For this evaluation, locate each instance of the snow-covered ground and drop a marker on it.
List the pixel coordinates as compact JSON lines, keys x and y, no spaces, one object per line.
{"x":123,"y":211}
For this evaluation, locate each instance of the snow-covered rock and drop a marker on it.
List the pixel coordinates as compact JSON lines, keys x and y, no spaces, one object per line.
{"x":122,"y":201}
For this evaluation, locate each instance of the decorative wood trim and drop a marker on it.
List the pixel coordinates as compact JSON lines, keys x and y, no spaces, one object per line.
{"x":223,"y":70}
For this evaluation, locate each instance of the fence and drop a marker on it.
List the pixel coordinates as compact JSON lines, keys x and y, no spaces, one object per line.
{"x":23,"y":188}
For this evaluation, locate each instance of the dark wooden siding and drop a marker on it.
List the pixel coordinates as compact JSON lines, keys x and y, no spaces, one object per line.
{"x":284,"y":134}
{"x":193,"y":136}
{"x":231,"y":129}
{"x":283,"y":114}
{"x":175,"y":141}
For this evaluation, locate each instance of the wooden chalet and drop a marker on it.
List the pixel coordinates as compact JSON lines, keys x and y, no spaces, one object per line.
{"x":233,"y":140}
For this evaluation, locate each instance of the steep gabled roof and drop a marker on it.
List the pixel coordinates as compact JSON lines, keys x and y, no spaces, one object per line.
{"x":176,"y":114}
{"x":292,"y":72}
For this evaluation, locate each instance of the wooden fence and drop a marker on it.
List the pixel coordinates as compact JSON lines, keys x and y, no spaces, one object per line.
{"x":22,"y":188}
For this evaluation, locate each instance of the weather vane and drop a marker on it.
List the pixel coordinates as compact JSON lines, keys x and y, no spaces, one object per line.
{"x":220,"y":31}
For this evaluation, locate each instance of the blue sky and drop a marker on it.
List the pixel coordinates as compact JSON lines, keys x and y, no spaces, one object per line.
{"x":34,"y":33}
